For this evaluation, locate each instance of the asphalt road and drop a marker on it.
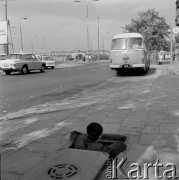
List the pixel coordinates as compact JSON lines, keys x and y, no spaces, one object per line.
{"x":23,"y":91}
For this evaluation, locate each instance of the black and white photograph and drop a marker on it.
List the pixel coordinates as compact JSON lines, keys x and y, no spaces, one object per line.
{"x":89,"y":89}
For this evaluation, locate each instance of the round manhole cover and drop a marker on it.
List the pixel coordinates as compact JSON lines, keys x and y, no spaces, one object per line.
{"x":63,"y":171}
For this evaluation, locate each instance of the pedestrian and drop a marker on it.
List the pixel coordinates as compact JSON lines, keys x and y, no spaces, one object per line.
{"x":92,"y":141}
{"x":173,"y":56}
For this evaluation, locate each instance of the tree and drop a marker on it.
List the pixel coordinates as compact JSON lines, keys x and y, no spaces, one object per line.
{"x":153,"y":27}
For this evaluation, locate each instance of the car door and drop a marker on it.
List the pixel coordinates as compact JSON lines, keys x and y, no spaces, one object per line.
{"x":29,"y":61}
{"x":36,"y":64}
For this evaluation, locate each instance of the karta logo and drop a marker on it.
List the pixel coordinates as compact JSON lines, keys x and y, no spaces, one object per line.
{"x":137,"y":171}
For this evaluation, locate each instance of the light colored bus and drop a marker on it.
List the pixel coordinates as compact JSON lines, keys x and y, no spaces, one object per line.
{"x":129,"y":51}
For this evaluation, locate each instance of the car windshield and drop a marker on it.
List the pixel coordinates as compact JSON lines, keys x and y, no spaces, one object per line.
{"x":15,"y":56}
{"x":134,"y":43}
{"x":118,"y":44}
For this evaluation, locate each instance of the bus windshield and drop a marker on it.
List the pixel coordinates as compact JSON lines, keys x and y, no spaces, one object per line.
{"x":118,"y":44}
{"x":134,"y":43}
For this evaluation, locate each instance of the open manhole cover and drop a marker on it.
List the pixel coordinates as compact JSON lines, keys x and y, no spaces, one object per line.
{"x":63,"y":171}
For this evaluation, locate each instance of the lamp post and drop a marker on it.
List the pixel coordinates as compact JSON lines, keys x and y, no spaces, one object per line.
{"x":87,"y":29}
{"x":33,"y":43}
{"x":6,"y":45}
{"x":11,"y":37}
{"x":42,"y":45}
{"x":21,"y":33}
{"x":98,"y":38}
{"x":171,"y":44}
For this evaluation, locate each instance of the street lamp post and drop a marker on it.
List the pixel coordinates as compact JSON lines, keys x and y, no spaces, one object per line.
{"x":6,"y":45}
{"x":21,"y":34}
{"x":171,"y":46}
{"x":42,"y":44}
{"x":87,"y":29}
{"x":98,"y":38}
{"x":11,"y":37}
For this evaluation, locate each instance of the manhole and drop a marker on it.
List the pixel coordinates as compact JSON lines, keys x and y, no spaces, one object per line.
{"x":63,"y":171}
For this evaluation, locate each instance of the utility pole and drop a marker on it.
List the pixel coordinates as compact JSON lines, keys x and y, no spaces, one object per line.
{"x":21,"y":34}
{"x":87,"y":28}
{"x":98,"y":38}
{"x":11,"y":36}
{"x":103,"y":43}
{"x":6,"y":45}
{"x":171,"y":48}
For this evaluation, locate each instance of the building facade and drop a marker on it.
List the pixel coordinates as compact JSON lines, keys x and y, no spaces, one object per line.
{"x":176,"y":51}
{"x":177,"y":13}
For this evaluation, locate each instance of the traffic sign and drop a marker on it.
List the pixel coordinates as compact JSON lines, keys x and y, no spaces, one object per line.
{"x":176,"y":30}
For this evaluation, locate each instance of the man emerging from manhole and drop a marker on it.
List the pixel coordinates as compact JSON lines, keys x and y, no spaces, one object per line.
{"x":95,"y":141}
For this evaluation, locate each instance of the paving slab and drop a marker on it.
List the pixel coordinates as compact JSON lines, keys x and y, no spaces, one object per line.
{"x":168,"y":128}
{"x":110,"y":128}
{"x":43,"y":147}
{"x":22,"y":161}
{"x":139,"y":153}
{"x":10,"y":176}
{"x":150,"y":129}
{"x":133,"y":139}
{"x":159,"y":140}
{"x":51,"y":139}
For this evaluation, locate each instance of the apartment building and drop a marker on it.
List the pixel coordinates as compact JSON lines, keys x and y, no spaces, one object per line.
{"x":177,"y":13}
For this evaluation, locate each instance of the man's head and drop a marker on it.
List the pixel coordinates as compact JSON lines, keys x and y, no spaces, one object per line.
{"x":94,"y":130}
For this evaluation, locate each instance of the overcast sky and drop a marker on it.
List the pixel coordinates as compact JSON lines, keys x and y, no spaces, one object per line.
{"x":61,"y":24}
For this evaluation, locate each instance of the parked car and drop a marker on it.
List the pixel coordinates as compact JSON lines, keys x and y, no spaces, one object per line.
{"x":167,"y":55}
{"x":3,"y":56}
{"x":22,"y":63}
{"x":49,"y":61}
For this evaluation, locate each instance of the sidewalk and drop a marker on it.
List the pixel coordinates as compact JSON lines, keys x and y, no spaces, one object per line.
{"x":147,"y":112}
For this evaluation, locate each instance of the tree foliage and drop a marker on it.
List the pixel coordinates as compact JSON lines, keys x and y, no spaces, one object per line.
{"x":153,"y":27}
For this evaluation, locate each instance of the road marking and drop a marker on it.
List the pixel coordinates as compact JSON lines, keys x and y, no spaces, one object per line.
{"x":92,"y":70}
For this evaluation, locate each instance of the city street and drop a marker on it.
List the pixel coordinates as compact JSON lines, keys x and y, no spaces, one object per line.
{"x":143,"y":107}
{"x":21,"y":92}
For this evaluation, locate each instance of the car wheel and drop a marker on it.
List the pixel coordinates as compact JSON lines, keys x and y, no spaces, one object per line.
{"x":119,"y":72}
{"x":7,"y":72}
{"x":52,"y":67}
{"x":24,"y":70}
{"x":42,"y":69}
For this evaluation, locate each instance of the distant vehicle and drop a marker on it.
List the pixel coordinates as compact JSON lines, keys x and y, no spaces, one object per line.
{"x":162,"y":56}
{"x":22,"y":63}
{"x":167,"y":55}
{"x":49,"y":61}
{"x":3,"y":56}
{"x":68,"y":58}
{"x":129,"y":51}
{"x":76,"y":57}
{"x":80,"y":56}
